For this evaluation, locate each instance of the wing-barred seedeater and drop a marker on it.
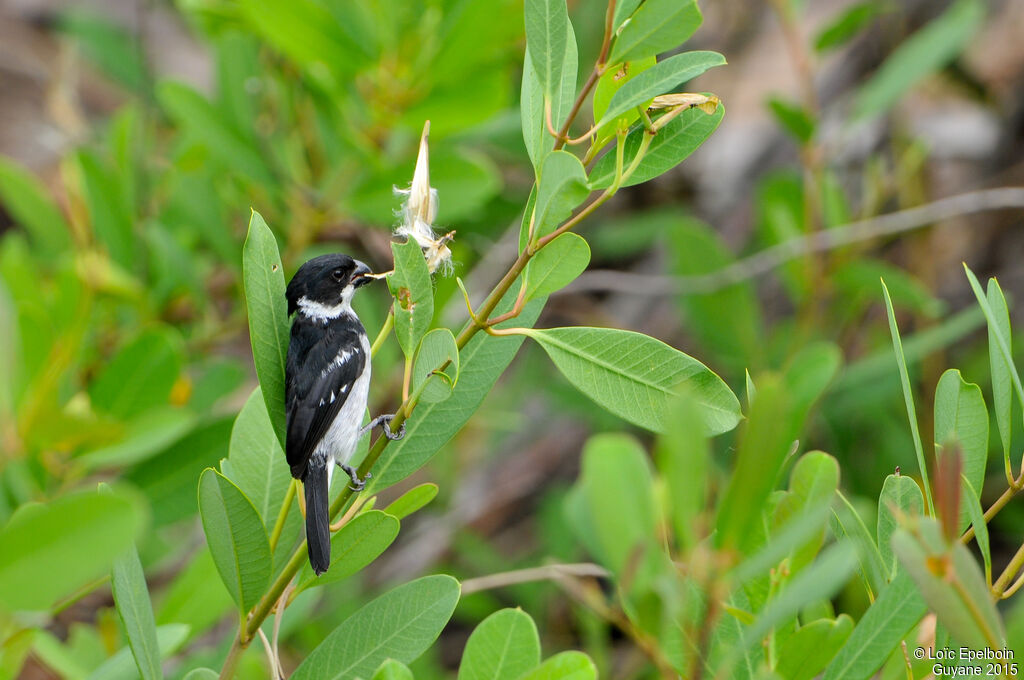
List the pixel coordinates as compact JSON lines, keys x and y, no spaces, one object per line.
{"x":327,"y":380}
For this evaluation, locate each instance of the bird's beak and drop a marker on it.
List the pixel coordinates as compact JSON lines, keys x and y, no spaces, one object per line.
{"x":359,"y":276}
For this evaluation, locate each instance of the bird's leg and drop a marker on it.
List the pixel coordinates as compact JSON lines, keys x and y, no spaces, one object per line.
{"x":385,"y":422}
{"x":357,"y":484}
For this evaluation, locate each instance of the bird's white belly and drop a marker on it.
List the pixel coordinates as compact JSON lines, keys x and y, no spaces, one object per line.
{"x":341,"y":439}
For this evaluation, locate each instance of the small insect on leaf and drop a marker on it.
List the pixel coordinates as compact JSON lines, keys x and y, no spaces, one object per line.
{"x":405,"y":299}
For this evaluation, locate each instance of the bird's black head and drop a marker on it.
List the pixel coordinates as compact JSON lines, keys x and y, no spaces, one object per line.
{"x":327,"y":281}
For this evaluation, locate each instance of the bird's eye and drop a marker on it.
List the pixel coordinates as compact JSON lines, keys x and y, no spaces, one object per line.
{"x":338,"y":275}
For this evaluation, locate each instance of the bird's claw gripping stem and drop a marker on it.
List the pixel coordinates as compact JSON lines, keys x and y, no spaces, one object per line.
{"x":384,"y":421}
{"x":357,"y":484}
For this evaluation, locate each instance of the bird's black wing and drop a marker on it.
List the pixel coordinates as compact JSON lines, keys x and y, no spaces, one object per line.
{"x":322,"y":366}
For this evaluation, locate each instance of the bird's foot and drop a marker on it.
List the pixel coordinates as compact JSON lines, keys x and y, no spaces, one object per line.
{"x":357,"y":484}
{"x":384,"y":421}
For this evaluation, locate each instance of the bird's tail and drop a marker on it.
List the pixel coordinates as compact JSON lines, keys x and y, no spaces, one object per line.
{"x":318,"y":530}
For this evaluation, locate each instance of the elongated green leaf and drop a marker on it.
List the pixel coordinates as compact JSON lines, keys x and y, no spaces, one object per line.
{"x":27,"y":201}
{"x":202,"y":674}
{"x":482,"y":360}
{"x":900,"y":496}
{"x":436,"y":349}
{"x":140,"y":376}
{"x":503,"y":647}
{"x":354,"y":546}
{"x":562,"y":187}
{"x":849,"y":523}
{"x":961,"y":418}
{"x":414,"y":295}
{"x":812,"y":483}
{"x":796,"y":532}
{"x":819,"y":580}
{"x":547,"y":22}
{"x":267,"y":307}
{"x":539,"y":142}
{"x":673,"y":143}
{"x":958,"y":593}
{"x":658,"y":26}
{"x":683,"y":456}
{"x":392,"y":670}
{"x":806,"y":653}
{"x":846,"y":25}
{"x":635,"y":376}
{"x":611,"y":462}
{"x":131,"y":597}
{"x":196,"y":596}
{"x":908,"y":398}
{"x":1002,"y":383}
{"x":110,"y":215}
{"x":922,"y":54}
{"x":237,"y":538}
{"x":763,"y":444}
{"x":412,"y":500}
{"x":169,"y":638}
{"x":887,"y":621}
{"x":794,"y":119}
{"x":50,"y":550}
{"x":974,"y":511}
{"x":556,"y":265}
{"x":660,"y":79}
{"x":399,"y":625}
{"x":143,"y":437}
{"x":570,"y":665}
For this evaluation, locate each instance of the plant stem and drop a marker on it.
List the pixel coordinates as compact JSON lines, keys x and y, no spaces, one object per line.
{"x":998,"y":505}
{"x":389,"y":323}
{"x":275,"y":535}
{"x":999,"y":587}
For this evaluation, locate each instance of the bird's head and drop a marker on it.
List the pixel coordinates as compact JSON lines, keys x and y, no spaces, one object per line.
{"x":327,"y":282}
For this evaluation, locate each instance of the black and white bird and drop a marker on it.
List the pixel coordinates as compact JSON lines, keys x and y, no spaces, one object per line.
{"x":327,"y":380}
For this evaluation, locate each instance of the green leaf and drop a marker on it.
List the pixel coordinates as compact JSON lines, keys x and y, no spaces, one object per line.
{"x":562,"y":187}
{"x":821,"y":580}
{"x":547,"y":23}
{"x":849,"y":523}
{"x":503,"y":647}
{"x":846,"y":25}
{"x":571,"y":665}
{"x":956,"y":591}
{"x":659,"y":79}
{"x":658,"y":26}
{"x":237,"y":538}
{"x":131,"y":597}
{"x":109,"y":46}
{"x":110,"y":215}
{"x":673,"y":143}
{"x":806,"y":652}
{"x":887,"y":621}
{"x":140,"y":376}
{"x":900,"y":496}
{"x":414,"y":295}
{"x":608,"y":85}
{"x":784,"y":539}
{"x":1002,"y":401}
{"x":392,"y":670}
{"x":267,"y":308}
{"x":762,"y":448}
{"x":812,"y":483}
{"x":794,"y":119}
{"x":612,"y":462}
{"x":920,"y":55}
{"x":400,"y":624}
{"x":961,"y":417}
{"x":354,"y":546}
{"x":482,"y":361}
{"x":143,"y":437}
{"x":636,"y":376}
{"x":556,"y":265}
{"x":908,"y":398}
{"x":120,"y":666}
{"x":437,"y":349}
{"x":50,"y":550}
{"x":973,"y":505}
{"x":412,"y":500}
{"x":196,"y":596}
{"x":29,"y":204}
{"x":539,"y":141}
{"x":683,"y":457}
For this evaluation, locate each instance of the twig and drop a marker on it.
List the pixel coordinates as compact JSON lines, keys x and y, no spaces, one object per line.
{"x":770,"y":258}
{"x":548,"y":572}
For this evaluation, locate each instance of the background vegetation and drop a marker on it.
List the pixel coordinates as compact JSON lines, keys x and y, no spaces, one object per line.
{"x":863,"y":140}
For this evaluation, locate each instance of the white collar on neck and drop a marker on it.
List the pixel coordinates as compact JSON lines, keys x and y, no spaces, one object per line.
{"x":318,"y":311}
